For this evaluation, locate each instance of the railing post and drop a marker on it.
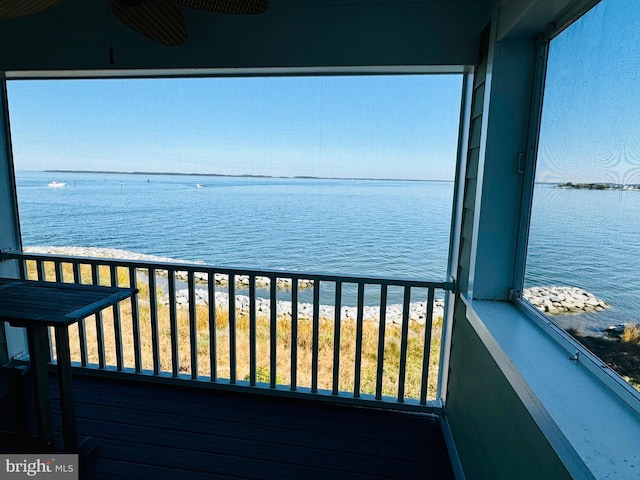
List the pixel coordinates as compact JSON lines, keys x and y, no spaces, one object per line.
{"x":135,"y":322}
{"x":153,"y":320}
{"x":273,"y":337}
{"x":117,"y":327}
{"x":404,"y":336}
{"x":40,"y":269}
{"x":316,"y":336}
{"x":426,"y":353}
{"x":358,"y":354}
{"x":232,"y":328}
{"x":294,"y":333}
{"x":252,"y":331}
{"x":95,"y":275}
{"x":381,"y":339}
{"x":173,"y":323}
{"x":82,"y":334}
{"x":22,"y":269}
{"x":213,"y":350}
{"x":337,"y":324}
{"x":193,"y":327}
{"x":58,"y":269}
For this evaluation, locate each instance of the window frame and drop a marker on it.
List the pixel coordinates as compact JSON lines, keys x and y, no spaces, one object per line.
{"x":575,"y":350}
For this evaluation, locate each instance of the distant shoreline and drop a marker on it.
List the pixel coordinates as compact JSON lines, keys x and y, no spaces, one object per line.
{"x":566,"y":185}
{"x":246,"y":175}
{"x":599,"y":186}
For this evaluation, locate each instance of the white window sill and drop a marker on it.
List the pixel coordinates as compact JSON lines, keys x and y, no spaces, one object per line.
{"x":595,"y":432}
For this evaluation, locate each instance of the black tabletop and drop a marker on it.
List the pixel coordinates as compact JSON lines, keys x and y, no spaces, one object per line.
{"x":27,"y":302}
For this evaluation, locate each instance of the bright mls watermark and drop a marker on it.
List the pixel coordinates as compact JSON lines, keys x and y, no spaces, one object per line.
{"x":50,"y":466}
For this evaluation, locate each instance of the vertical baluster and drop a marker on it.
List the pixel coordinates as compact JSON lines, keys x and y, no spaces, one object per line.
{"x":77,"y":274}
{"x":58,"y":268}
{"x":213,"y":349}
{"x":358,"y":359}
{"x":117,"y":326}
{"x":58,"y":278}
{"x":316,"y":336}
{"x":427,"y":347}
{"x":273,"y":338}
{"x":40,"y":270}
{"x":53,"y":352}
{"x":22,"y":269}
{"x":404,"y":342}
{"x":294,"y":333}
{"x":337,"y":328}
{"x":232,"y":328}
{"x":381,"y":335}
{"x":252,"y":331}
{"x":173,"y":323}
{"x":193,"y":324}
{"x":135,"y":321}
{"x":153,"y":314}
{"x":95,"y":274}
{"x":82,"y":333}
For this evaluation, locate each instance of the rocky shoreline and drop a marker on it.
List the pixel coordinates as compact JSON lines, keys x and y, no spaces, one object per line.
{"x":222,"y":280}
{"x":564,"y":300}
{"x":417,"y":310}
{"x":97,"y":252}
{"x":553,"y":300}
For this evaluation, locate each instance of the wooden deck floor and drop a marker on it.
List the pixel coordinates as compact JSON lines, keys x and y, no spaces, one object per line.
{"x":160,"y":432}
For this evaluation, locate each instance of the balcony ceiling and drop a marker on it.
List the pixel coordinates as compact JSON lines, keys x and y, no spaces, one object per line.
{"x":74,"y":36}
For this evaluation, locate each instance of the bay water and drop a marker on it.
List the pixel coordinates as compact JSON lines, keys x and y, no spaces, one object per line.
{"x":389,"y":228}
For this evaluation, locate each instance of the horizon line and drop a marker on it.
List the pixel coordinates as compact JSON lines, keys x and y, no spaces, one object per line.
{"x":291,"y":177}
{"x":245,"y":175}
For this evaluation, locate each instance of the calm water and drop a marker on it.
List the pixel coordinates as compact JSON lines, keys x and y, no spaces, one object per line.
{"x":387,"y":228}
{"x":588,"y":239}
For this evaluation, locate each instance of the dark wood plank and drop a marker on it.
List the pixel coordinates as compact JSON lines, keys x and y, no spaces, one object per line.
{"x":168,"y":432}
{"x":246,"y":403}
{"x":224,"y":464}
{"x":266,"y":411}
{"x":263,"y":447}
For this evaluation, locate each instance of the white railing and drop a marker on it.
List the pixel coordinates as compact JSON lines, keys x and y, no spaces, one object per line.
{"x":353,"y":338}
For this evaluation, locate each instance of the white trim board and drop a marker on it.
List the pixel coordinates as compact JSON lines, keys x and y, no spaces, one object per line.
{"x":593,"y":431}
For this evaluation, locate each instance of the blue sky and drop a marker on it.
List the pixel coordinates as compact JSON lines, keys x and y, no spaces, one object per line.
{"x":377,"y":126}
{"x":591,"y":115}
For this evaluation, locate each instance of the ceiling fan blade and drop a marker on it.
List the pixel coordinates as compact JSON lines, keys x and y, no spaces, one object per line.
{"x":23,"y":8}
{"x":158,"y":20}
{"x":233,"y":7}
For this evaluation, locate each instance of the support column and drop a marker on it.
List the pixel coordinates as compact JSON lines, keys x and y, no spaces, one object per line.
{"x":12,"y":340}
{"x":505,"y":165}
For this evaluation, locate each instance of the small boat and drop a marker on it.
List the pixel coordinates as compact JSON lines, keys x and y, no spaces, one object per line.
{"x":198,"y":185}
{"x":56,"y":184}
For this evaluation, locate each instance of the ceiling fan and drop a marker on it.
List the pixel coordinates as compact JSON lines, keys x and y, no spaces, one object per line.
{"x":158,"y":20}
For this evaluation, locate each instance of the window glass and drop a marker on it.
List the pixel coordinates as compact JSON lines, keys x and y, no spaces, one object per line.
{"x":583,"y":264}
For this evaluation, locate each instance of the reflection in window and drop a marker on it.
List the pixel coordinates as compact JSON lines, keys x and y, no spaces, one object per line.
{"x":583,"y":264}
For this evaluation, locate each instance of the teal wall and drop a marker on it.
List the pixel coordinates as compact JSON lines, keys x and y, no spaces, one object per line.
{"x":495,"y":436}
